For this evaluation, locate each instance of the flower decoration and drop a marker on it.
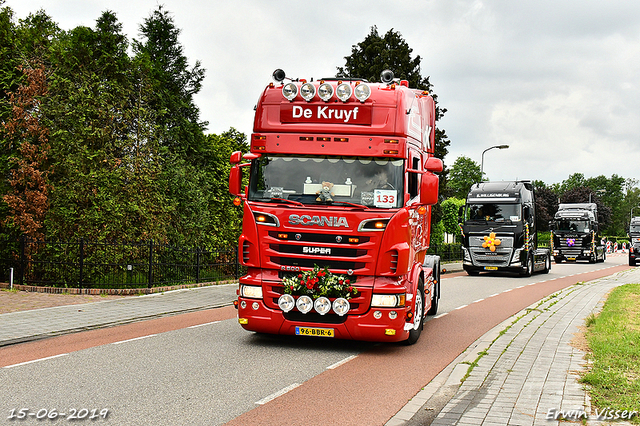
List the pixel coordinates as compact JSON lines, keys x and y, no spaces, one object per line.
{"x":319,"y":282}
{"x":571,"y":242}
{"x":491,"y":242}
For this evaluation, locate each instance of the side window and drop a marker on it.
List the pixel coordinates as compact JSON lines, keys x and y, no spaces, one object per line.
{"x":414,"y":178}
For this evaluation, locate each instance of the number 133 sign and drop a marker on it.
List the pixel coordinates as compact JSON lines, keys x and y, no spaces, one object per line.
{"x":385,"y":198}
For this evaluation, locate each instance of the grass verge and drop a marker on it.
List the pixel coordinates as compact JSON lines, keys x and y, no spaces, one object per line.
{"x":613,"y":337}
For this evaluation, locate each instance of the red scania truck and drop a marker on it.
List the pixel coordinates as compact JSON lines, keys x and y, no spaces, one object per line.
{"x":337,"y":210}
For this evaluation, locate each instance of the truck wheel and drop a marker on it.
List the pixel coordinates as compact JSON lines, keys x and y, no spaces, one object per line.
{"x":472,"y":272}
{"x":418,"y":315}
{"x":557,"y":259}
{"x":547,"y":265}
{"x":632,"y":262}
{"x":528,"y":270}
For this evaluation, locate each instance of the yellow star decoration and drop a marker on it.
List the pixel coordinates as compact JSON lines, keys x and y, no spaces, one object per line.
{"x":491,"y":241}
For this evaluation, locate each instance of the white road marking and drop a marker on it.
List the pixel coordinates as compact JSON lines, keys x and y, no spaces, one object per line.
{"x":35,"y":360}
{"x":135,"y":338}
{"x":202,"y":325}
{"x":339,"y":363}
{"x":277,"y":394}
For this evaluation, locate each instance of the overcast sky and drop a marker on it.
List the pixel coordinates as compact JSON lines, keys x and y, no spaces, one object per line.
{"x":556,"y":80}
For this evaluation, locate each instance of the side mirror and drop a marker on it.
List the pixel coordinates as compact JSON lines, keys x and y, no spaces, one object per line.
{"x":235,"y":180}
{"x":552,"y":225}
{"x":236,"y":157}
{"x":434,"y":164}
{"x":527,"y":213}
{"x":461,"y":214}
{"x":429,"y":189}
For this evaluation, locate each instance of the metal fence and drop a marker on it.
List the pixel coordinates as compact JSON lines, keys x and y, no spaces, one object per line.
{"x":85,"y":264}
{"x":448,"y":252}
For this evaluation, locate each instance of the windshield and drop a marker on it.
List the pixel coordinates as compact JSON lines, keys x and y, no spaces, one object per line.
{"x":493,"y":212}
{"x":572,"y":225}
{"x":372,"y":182}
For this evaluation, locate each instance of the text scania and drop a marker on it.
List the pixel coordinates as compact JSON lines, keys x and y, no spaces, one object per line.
{"x":324,"y":112}
{"x":306,"y":220}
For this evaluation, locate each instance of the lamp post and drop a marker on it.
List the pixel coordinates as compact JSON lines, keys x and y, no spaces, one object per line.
{"x":482,"y":161}
{"x":598,"y":191}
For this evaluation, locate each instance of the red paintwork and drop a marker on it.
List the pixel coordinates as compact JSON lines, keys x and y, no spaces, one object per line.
{"x":392,"y":111}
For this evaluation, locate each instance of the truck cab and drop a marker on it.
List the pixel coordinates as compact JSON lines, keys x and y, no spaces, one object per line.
{"x":337,"y":210}
{"x":575,"y":233}
{"x":499,"y":229}
{"x":634,"y":240}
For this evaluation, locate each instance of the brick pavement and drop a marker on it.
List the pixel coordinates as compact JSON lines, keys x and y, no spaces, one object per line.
{"x":529,"y":368}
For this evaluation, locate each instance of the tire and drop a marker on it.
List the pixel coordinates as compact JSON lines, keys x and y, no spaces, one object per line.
{"x":418,"y":315}
{"x":632,"y":262}
{"x":547,"y":265}
{"x":528,"y":270}
{"x":472,"y":272}
{"x":557,"y":259}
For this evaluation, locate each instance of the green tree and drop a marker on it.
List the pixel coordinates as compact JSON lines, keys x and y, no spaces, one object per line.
{"x":450,"y":208}
{"x":463,"y":174}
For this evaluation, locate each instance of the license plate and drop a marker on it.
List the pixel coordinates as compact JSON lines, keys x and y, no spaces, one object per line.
{"x":490,"y":268}
{"x":571,"y":258}
{"x":316,"y":332}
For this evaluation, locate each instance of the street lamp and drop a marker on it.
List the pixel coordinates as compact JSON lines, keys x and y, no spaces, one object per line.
{"x":598,"y":191}
{"x":482,"y":162}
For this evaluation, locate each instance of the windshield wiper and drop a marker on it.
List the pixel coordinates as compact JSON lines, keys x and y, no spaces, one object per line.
{"x":281,"y":200}
{"x":360,"y":206}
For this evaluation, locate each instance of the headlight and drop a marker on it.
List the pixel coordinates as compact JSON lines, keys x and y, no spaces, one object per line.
{"x":343,"y":92}
{"x":387,"y":300}
{"x":251,"y":291}
{"x":325,"y":91}
{"x":286,"y":302}
{"x":304,"y":304}
{"x":322,"y":305}
{"x":307,"y":91}
{"x":290,"y":91}
{"x":341,"y":306}
{"x":363,"y":91}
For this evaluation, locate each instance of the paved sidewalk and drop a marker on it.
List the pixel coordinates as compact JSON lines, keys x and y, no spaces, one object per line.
{"x":527,"y":369}
{"x":23,"y":326}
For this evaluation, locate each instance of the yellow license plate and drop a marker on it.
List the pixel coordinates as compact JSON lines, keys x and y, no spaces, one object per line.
{"x":490,"y":268}
{"x":571,"y":258}
{"x":316,"y":332}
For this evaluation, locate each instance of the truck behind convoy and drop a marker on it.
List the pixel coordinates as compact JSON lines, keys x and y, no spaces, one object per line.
{"x":575,"y":234}
{"x":337,"y":211}
{"x":499,"y":229}
{"x":634,"y":240}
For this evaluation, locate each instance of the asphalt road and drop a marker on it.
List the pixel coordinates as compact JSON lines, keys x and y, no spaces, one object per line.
{"x":203,"y":368}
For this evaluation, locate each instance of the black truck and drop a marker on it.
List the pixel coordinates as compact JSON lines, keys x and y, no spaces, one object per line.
{"x":634,"y":240}
{"x":575,"y":234}
{"x":499,"y":229}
